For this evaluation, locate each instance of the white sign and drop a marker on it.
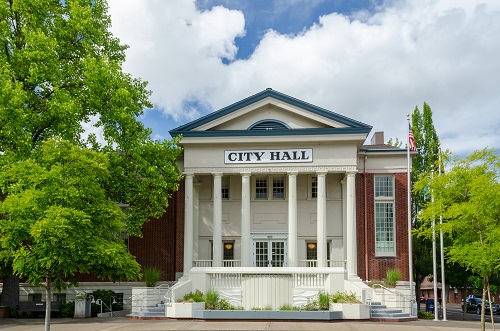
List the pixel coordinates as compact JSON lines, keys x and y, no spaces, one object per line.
{"x":269,"y":156}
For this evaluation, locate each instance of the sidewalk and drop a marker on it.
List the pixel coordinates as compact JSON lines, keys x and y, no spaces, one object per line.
{"x":124,"y":324}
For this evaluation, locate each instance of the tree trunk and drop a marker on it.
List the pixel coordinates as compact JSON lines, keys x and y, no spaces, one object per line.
{"x":483,"y":326}
{"x":48,"y":303}
{"x":491,"y":307}
{"x":464,"y":301}
{"x":10,"y":291}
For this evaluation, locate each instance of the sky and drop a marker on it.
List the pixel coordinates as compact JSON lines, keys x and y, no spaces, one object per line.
{"x":371,"y":60}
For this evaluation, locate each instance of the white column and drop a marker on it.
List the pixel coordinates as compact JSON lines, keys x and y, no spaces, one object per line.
{"x":292,"y":219}
{"x":217,"y":220}
{"x":321,"y":222}
{"x":352,"y":264}
{"x":245,"y":220}
{"x":196,"y":219}
{"x":188,"y":223}
{"x":344,"y":217}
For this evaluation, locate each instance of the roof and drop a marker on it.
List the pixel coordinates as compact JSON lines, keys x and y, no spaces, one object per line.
{"x":347,"y":125}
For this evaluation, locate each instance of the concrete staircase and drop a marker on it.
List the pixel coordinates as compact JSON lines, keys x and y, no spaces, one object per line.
{"x":157,"y":312}
{"x":380,"y":312}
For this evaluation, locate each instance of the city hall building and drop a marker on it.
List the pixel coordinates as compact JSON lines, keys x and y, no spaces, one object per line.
{"x":276,"y":186}
{"x":280,"y":199}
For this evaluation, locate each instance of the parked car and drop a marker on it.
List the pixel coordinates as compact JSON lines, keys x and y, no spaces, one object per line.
{"x":422,"y":299}
{"x":475,"y":304}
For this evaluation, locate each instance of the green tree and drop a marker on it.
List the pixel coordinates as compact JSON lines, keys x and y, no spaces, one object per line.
{"x":427,"y":142}
{"x":467,"y":198}
{"x":57,"y":220}
{"x":60,"y":72}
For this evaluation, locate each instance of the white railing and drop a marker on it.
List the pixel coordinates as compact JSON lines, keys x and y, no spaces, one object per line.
{"x":394,"y":299}
{"x":314,"y":263}
{"x":223,"y":280}
{"x":307,"y":278}
{"x":225,"y":263}
{"x":149,"y":297}
{"x":231,"y":263}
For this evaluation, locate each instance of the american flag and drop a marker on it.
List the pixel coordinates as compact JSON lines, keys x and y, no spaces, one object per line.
{"x":411,"y":140}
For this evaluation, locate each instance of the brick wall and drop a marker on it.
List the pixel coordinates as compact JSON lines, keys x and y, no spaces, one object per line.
{"x":371,"y":267}
{"x":162,"y":243}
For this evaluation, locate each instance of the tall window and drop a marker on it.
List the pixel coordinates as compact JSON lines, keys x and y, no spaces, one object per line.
{"x":314,"y":187}
{"x":278,"y":188}
{"x":385,"y":243}
{"x":261,"y":188}
{"x":312,"y":250}
{"x":228,"y":253}
{"x":225,"y":188}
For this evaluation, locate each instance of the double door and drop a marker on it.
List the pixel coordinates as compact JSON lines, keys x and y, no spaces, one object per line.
{"x":270,"y":253}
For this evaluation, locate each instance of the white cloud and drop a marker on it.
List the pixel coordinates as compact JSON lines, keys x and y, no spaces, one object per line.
{"x":374,"y":68}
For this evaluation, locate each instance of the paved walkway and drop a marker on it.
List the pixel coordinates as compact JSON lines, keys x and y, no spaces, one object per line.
{"x":124,"y":324}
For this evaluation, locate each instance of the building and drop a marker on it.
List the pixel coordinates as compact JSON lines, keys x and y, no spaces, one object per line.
{"x":275,"y":185}
{"x":279,"y":193}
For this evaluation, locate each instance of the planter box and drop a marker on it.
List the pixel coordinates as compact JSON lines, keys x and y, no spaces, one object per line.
{"x":352,"y":311}
{"x":322,"y":315}
{"x":183,"y":309}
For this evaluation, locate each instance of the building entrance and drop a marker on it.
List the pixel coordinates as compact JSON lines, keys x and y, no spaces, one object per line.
{"x":270,"y":253}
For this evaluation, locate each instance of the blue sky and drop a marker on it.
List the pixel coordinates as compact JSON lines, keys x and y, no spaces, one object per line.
{"x":373,"y":61}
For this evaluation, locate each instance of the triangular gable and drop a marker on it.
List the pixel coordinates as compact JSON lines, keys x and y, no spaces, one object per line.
{"x":218,"y":122}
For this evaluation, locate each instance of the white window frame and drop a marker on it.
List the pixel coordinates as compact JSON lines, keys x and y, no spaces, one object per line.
{"x":388,"y":200}
{"x":269,"y":187}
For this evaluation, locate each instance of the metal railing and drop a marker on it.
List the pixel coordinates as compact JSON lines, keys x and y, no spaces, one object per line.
{"x":149,"y":297}
{"x":395,"y":299}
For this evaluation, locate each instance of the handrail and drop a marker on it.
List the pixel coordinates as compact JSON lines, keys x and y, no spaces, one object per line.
{"x":139,"y":298}
{"x":394,"y":292}
{"x":408,"y":300}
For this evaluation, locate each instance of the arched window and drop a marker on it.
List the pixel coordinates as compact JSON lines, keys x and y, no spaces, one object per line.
{"x":269,"y":125}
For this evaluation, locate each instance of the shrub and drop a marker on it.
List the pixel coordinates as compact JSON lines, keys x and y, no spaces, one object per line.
{"x":151,"y":276}
{"x":425,"y":315}
{"x":344,"y":297}
{"x":211,"y":299}
{"x":225,"y":305}
{"x":286,"y":307}
{"x":196,"y":296}
{"x":67,"y":309}
{"x":392,"y":277}
{"x":310,"y":305}
{"x":323,"y":301}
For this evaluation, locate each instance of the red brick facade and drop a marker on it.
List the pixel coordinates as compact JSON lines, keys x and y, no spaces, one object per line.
{"x":162,"y":243}
{"x":371,"y":267}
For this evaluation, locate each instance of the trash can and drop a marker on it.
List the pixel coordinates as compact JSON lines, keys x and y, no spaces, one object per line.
{"x":429,"y":306}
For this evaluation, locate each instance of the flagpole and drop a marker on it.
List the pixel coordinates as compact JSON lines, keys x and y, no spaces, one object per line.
{"x":443,"y":284}
{"x":410,"y":246}
{"x":434,"y":272}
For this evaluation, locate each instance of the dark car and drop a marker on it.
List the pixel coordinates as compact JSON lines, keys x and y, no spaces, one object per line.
{"x":475,"y":304}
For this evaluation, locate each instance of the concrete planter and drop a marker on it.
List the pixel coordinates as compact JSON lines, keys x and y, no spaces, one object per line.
{"x":322,"y":315}
{"x":183,"y":309}
{"x":352,"y":311}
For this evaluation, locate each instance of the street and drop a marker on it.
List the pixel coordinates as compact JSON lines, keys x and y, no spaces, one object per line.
{"x":454,"y":313}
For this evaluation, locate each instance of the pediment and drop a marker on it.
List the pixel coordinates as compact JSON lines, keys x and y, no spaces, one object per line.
{"x":271,"y":113}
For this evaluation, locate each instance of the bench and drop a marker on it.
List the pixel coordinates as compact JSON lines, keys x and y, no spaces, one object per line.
{"x":36,"y":307}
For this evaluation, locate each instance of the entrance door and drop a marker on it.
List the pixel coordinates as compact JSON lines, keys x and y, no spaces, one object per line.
{"x":269,"y":253}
